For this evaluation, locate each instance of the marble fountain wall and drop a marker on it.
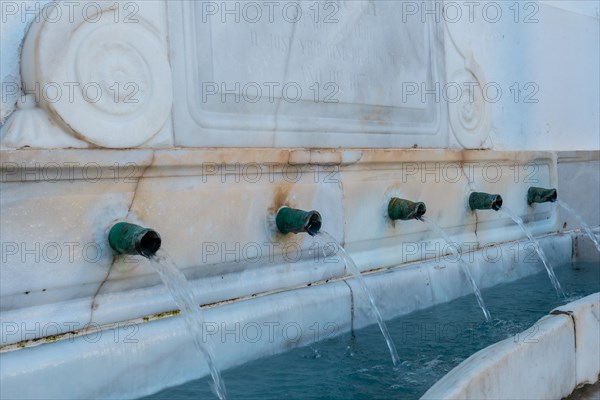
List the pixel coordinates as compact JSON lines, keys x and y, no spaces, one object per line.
{"x":197,"y":122}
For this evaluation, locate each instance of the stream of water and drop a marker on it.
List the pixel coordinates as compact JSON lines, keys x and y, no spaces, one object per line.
{"x":327,"y":240}
{"x":454,"y":250}
{"x":506,"y":211}
{"x":180,"y":289}
{"x":584,"y":226}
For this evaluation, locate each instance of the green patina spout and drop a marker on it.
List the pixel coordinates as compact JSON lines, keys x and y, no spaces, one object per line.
{"x":541,"y":195}
{"x":291,"y":220}
{"x":405,"y":209}
{"x":485,"y":201}
{"x":125,"y":238}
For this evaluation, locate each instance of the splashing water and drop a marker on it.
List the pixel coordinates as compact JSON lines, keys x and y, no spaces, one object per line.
{"x":327,"y":240}
{"x":506,"y":211}
{"x":454,"y":250}
{"x":585,"y":226}
{"x":180,"y":289}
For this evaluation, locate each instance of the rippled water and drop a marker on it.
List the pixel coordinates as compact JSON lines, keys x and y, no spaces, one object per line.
{"x":431,"y":343}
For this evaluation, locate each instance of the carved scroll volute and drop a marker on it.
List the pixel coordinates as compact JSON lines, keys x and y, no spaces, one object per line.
{"x":470,"y":117}
{"x":106,"y":80}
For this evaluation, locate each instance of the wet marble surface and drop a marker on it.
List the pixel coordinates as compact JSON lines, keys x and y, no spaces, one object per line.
{"x":587,"y":392}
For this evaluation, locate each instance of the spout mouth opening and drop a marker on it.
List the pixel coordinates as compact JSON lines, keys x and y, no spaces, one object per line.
{"x":291,"y":220}
{"x":541,"y":195}
{"x":485,"y":201}
{"x":313,"y":223}
{"x":497,"y":203}
{"x":149,"y":243}
{"x":420,"y":210}
{"x":401,"y":209}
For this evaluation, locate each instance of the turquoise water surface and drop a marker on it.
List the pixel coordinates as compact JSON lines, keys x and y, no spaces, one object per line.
{"x":430,"y":343}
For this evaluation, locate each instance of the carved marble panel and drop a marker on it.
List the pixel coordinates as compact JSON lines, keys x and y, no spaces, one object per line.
{"x":314,"y":74}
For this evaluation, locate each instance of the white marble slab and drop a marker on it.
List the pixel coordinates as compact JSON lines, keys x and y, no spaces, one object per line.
{"x":586,"y":317}
{"x":319,"y":74}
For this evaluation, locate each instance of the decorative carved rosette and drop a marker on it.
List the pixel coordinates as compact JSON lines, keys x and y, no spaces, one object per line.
{"x":104,"y":80}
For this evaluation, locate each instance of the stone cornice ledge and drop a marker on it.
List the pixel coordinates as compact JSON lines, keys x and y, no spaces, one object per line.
{"x":198,"y":157}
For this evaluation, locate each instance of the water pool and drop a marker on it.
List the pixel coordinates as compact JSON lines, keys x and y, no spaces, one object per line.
{"x":430,"y":343}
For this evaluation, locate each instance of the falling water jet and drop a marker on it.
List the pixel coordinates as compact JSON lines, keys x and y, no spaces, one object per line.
{"x":192,"y":314}
{"x":507,"y":212}
{"x":125,"y":238}
{"x":542,"y":195}
{"x":291,"y":220}
{"x":583,"y":224}
{"x":465,"y":268}
{"x":326,"y":239}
